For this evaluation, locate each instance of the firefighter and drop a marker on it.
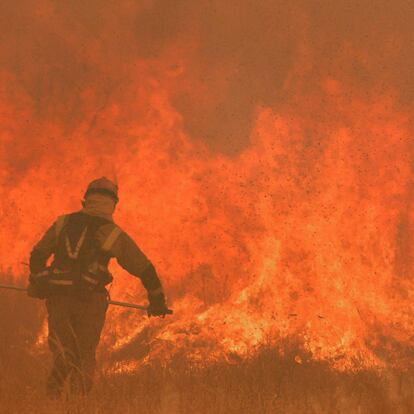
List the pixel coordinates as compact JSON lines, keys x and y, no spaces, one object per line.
{"x":82,"y":244}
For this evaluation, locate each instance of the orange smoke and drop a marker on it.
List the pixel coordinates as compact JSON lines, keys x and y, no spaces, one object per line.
{"x":297,"y":234}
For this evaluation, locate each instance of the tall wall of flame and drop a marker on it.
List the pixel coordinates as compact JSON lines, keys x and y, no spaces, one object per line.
{"x":264,"y":155}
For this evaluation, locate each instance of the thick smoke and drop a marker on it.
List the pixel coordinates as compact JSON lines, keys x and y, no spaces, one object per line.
{"x":237,"y":55}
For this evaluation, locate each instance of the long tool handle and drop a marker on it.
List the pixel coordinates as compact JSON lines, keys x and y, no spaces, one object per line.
{"x":22,"y":289}
{"x":110,"y":302}
{"x":131,"y":305}
{"x":127,"y":305}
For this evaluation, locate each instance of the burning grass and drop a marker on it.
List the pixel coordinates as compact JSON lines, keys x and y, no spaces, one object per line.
{"x":264,"y":384}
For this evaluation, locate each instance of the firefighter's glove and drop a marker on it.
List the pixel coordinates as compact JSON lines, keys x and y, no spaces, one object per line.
{"x":157,"y":306}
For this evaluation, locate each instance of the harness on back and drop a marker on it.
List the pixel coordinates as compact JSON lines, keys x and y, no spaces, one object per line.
{"x":80,"y":262}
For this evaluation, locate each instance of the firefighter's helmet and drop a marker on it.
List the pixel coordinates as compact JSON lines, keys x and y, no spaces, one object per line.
{"x":103,"y":186}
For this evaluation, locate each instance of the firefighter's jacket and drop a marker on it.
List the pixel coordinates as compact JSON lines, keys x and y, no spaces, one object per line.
{"x":113,"y":240}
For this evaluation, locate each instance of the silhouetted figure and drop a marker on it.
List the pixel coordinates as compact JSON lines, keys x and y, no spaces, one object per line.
{"x":82,"y":244}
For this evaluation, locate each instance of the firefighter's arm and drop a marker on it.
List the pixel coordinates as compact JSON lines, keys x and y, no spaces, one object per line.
{"x":42,"y":250}
{"x":39,"y":256}
{"x":134,"y":261}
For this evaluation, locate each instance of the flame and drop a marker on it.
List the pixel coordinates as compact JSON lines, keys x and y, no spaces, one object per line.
{"x":303,"y":235}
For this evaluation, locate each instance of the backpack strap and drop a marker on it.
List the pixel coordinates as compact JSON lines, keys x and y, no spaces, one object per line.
{"x":60,"y":222}
{"x":111,"y":239}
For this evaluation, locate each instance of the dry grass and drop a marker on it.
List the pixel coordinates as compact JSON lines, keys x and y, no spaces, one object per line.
{"x":267,"y":384}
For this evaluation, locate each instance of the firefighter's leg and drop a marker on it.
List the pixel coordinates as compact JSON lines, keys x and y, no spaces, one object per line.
{"x":61,"y":342}
{"x":89,"y":323}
